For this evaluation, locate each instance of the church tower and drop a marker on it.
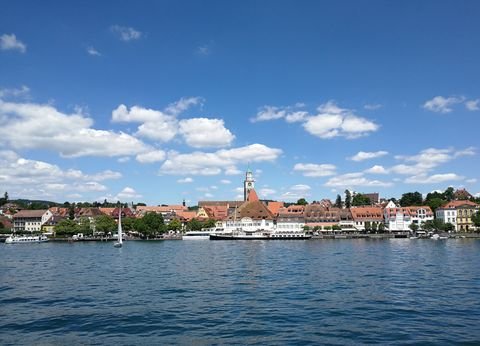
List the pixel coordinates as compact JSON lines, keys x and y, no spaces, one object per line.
{"x":248,"y":184}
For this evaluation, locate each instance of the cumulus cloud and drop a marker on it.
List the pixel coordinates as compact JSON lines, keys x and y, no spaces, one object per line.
{"x":225,"y":181}
{"x":363,"y":155}
{"x":203,"y":163}
{"x":125,"y":33}
{"x":203,"y":133}
{"x":93,"y":51}
{"x":300,"y":187}
{"x":433,"y":179}
{"x":373,"y":106}
{"x":351,"y":180}
{"x":151,"y":156}
{"x":183,"y":105}
{"x":440,"y":104}
{"x":472,"y":105}
{"x":185,"y":180}
{"x":30,"y":178}
{"x":39,"y":126}
{"x":128,"y":193}
{"x":10,"y":42}
{"x":332,"y":121}
{"x":266,"y":192}
{"x":23,"y":91}
{"x":315,"y":170}
{"x":377,"y":169}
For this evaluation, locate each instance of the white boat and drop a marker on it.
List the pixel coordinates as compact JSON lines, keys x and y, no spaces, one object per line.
{"x":438,"y":237}
{"x":119,"y":242}
{"x":201,"y":235}
{"x":26,"y":239}
{"x":260,"y":234}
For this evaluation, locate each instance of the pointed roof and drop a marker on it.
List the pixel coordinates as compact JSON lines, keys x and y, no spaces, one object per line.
{"x":255,"y":210}
{"x":252,"y":196}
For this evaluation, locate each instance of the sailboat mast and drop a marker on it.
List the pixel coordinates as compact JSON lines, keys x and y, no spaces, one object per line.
{"x":120,"y":240}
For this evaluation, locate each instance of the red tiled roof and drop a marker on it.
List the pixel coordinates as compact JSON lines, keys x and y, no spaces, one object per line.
{"x":252,"y":196}
{"x":274,"y":207}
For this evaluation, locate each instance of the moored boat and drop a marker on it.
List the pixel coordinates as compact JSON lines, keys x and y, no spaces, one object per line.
{"x":26,"y":239}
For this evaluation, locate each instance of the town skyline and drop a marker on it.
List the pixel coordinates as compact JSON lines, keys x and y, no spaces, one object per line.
{"x":146,"y":103}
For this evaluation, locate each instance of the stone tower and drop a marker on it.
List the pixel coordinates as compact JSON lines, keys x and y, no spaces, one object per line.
{"x":248,"y":184}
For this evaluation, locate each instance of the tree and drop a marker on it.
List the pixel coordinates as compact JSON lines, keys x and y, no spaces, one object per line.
{"x":194,"y":225}
{"x":154,"y":223}
{"x":105,"y":223}
{"x":174,"y":225}
{"x":209,"y":223}
{"x":414,"y":227}
{"x":348,"y":199}
{"x":449,"y":227}
{"x":84,"y":226}
{"x":411,"y":198}
{"x":336,"y":228}
{"x":435,"y":203}
{"x":128,"y":224}
{"x":368,"y":226}
{"x":66,"y":227}
{"x":360,"y":199}
{"x":139,"y":226}
{"x":439,"y":225}
{"x":476,"y":219}
{"x":71,"y":212}
{"x":381,"y":227}
{"x":449,"y":194}
{"x":338,"y":202}
{"x":302,"y":201}
{"x":428,"y":226}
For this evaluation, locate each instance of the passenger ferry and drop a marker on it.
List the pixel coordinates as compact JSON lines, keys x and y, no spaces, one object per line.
{"x":201,"y":235}
{"x":260,"y":234}
{"x":26,"y":239}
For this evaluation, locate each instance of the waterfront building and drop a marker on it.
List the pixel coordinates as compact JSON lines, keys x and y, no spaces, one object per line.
{"x":250,"y":216}
{"x":30,"y":220}
{"x":399,"y":219}
{"x":459,"y":214}
{"x":323,"y":218}
{"x":367,"y":216}
{"x":291,"y":218}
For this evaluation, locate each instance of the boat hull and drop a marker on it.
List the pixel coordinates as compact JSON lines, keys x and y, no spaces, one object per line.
{"x":270,"y":237}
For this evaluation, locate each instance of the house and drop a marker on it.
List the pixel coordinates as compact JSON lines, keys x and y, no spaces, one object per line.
{"x":251,"y":215}
{"x":30,"y":220}
{"x":399,"y":219}
{"x":370,"y":216}
{"x":462,"y":195}
{"x":275,"y":207}
{"x":163,"y":209}
{"x":459,"y":214}
{"x":291,"y":217}
{"x":325,"y":218}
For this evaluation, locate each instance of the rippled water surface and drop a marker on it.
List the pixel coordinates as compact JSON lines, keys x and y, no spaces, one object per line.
{"x":241,"y":292}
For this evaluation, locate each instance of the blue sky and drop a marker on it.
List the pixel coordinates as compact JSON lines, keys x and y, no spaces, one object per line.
{"x":160,"y":101}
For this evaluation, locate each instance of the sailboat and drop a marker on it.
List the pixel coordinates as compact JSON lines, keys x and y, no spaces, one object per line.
{"x":119,"y":242}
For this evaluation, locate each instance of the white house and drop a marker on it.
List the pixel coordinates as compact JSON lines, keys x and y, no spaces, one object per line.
{"x":30,"y":220}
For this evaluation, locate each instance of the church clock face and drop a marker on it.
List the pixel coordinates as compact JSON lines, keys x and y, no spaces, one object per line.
{"x":249,"y":184}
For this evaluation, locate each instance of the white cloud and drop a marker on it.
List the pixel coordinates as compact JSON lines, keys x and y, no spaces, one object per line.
{"x":225,"y":181}
{"x":472,"y":105}
{"x":204,"y":133}
{"x":123,"y":159}
{"x":30,"y":178}
{"x":269,"y":113}
{"x":333,"y":121}
{"x":128,"y":193}
{"x":10,"y":42}
{"x":183,"y":105}
{"x":151,"y":156}
{"x":156,"y":124}
{"x":203,"y":50}
{"x":295,"y":117}
{"x":93,"y":51}
{"x":266,"y":192}
{"x":38,"y":126}
{"x":202,"y":163}
{"x":23,"y":91}
{"x":362,"y":155}
{"x":351,"y":180}
{"x":433,"y":179}
{"x":208,"y":195}
{"x":372,"y":107}
{"x":377,"y":169}
{"x":125,"y":33}
{"x":300,"y":187}
{"x":471,"y":181}
{"x":428,"y":159}
{"x":185,"y":180}
{"x":315,"y":170}
{"x":440,"y":104}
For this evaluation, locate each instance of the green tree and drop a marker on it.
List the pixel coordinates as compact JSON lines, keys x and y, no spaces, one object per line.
{"x":154,"y":223}
{"x":449,"y":227}
{"x":105,"y":223}
{"x":302,"y":201}
{"x":360,"y":199}
{"x":71,"y":212}
{"x":174,"y":225}
{"x":435,"y":203}
{"x":83,"y":226}
{"x":336,"y":228}
{"x":338,"y":202}
{"x":368,"y":226}
{"x":128,"y":224}
{"x":348,"y":199}
{"x":411,"y":198}
{"x":439,"y":225}
{"x":428,"y":226}
{"x":449,"y":194}
{"x":209,"y":223}
{"x":66,"y":227}
{"x":381,"y":227}
{"x":194,"y":225}
{"x":139,"y":226}
{"x":476,"y":219}
{"x":414,"y":227}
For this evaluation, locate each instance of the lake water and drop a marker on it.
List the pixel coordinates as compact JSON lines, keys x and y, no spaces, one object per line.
{"x":395,"y":291}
